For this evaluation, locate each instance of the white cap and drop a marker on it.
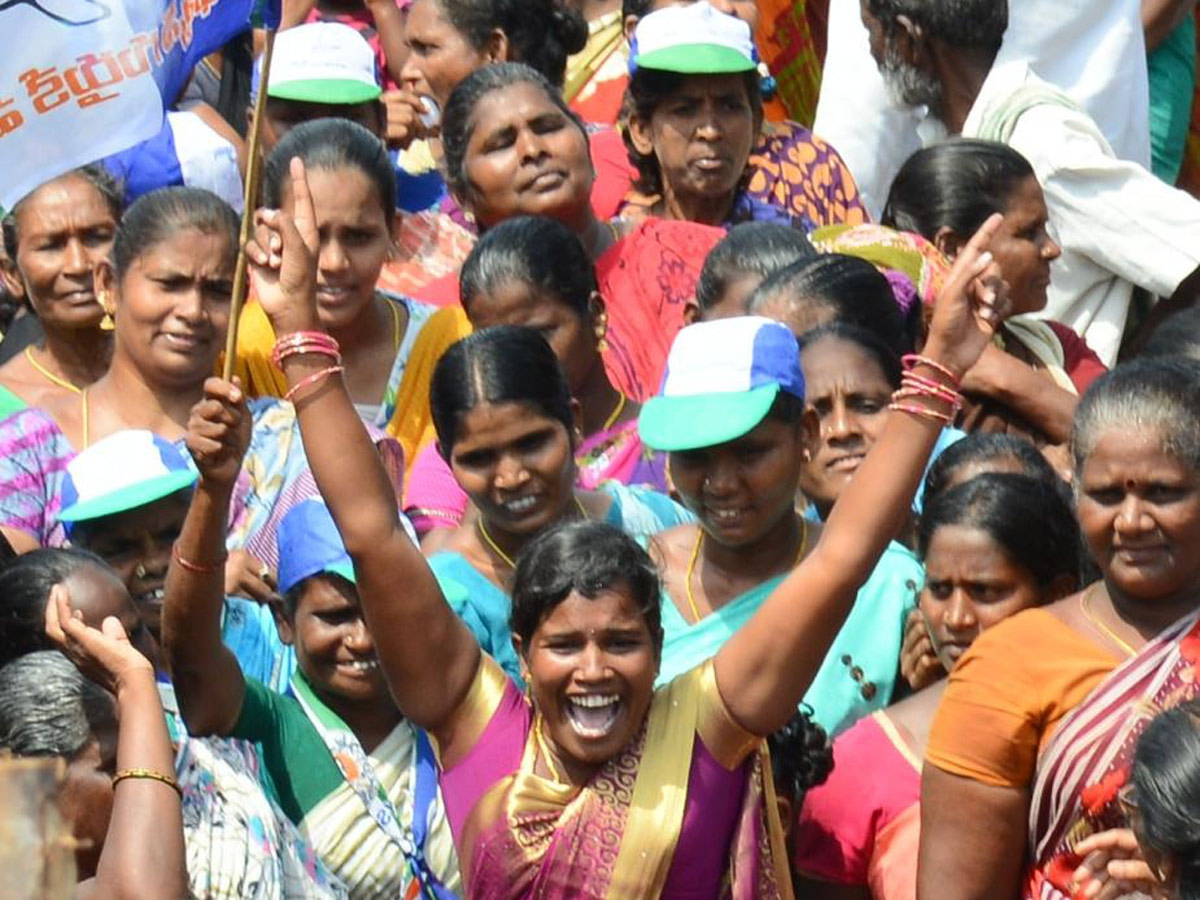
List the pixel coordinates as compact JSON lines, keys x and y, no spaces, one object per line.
{"x":321,"y":62}
{"x":694,"y":39}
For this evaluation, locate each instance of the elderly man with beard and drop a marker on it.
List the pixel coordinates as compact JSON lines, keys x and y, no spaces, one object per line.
{"x":1118,"y":226}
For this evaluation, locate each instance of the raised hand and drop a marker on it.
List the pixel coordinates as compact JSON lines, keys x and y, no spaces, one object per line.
{"x":970,"y":307}
{"x":219,"y":432}
{"x":283,"y":259}
{"x":104,"y":655}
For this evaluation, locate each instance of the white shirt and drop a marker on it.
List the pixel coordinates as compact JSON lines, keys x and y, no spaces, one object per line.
{"x":1117,"y":224}
{"x":1092,"y":49}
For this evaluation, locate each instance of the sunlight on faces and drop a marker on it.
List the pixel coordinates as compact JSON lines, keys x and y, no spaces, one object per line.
{"x":514,"y":302}
{"x":439,"y":56}
{"x":742,"y":489}
{"x":971,"y":583}
{"x":1023,"y":249}
{"x":591,"y":666}
{"x":516,"y":465}
{"x":355,"y":241}
{"x":848,"y":392}
{"x":172,"y":306}
{"x":334,"y":650}
{"x":1139,"y":510}
{"x":139,"y":539}
{"x":908,"y":84}
{"x":64,"y":230}
{"x":525,"y":156}
{"x":701,"y":137}
{"x":97,"y":594}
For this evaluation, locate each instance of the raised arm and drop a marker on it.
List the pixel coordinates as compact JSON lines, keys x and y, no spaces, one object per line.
{"x":1009,"y":381}
{"x":766,"y":667}
{"x":208,"y":680}
{"x":143,"y":856}
{"x":428,"y":656}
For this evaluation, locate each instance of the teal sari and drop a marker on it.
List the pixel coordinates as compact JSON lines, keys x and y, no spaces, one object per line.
{"x":869,"y":642}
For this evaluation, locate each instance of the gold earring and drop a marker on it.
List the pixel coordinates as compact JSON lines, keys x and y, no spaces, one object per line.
{"x":602,"y":334}
{"x":140,"y":571}
{"x":107,"y":323}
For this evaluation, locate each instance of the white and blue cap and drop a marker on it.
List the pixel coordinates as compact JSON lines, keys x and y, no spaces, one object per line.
{"x":124,"y":471}
{"x":693,"y":39}
{"x":722,"y":378}
{"x":309,"y":544}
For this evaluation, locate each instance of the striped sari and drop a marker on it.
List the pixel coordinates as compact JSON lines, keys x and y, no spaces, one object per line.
{"x":1088,"y":760}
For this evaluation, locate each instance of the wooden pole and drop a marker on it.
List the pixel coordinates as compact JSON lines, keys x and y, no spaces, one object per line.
{"x":253,"y":168}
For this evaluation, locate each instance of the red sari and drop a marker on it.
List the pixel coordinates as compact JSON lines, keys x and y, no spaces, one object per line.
{"x":647,"y":280}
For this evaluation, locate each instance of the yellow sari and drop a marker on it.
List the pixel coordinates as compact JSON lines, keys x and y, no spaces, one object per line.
{"x":523,"y":836}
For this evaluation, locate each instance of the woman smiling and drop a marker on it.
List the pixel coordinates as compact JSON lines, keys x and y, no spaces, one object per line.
{"x":55,"y":237}
{"x":508,"y":428}
{"x":740,"y":474}
{"x":597,"y":784}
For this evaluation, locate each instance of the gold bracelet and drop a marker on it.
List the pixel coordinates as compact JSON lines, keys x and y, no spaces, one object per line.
{"x":151,"y":775}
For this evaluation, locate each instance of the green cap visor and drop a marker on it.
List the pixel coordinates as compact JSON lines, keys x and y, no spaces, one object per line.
{"x":325,"y":90}
{"x":131,"y":497}
{"x":696,"y":59}
{"x":703,"y":420}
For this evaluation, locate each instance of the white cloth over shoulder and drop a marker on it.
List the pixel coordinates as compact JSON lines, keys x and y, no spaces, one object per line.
{"x":1092,"y":49}
{"x":1117,"y":224}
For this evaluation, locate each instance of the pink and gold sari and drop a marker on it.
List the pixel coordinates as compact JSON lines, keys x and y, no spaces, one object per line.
{"x":1088,"y":759}
{"x":521,"y":836}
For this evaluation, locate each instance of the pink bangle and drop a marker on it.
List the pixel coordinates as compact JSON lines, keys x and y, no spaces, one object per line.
{"x":915,"y":386}
{"x":311,"y":379}
{"x":912,"y":360}
{"x":317,"y":342}
{"x":922,"y":411}
{"x":197,"y":568}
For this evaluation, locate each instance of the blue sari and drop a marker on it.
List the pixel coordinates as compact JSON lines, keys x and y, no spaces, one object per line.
{"x":868,"y":641}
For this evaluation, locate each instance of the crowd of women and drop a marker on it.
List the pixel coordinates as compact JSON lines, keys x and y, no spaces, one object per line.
{"x":624,"y":522}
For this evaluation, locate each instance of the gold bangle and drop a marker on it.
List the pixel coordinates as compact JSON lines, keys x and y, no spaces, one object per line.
{"x":150,"y":775}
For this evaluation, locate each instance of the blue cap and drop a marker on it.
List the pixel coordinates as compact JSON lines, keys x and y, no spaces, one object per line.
{"x":309,"y":544}
{"x":722,"y":378}
{"x":124,"y":471}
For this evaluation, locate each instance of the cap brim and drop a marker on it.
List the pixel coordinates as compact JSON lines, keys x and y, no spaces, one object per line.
{"x":345,"y":569}
{"x":325,"y":90}
{"x":703,"y":420}
{"x":132,"y":497}
{"x":696,"y":59}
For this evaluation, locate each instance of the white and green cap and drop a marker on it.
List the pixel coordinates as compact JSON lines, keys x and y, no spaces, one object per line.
{"x":722,"y":379}
{"x":321,"y":62}
{"x":124,"y":471}
{"x":694,"y":39}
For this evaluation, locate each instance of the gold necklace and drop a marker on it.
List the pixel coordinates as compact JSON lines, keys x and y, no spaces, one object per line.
{"x":616,"y":413}
{"x":540,"y":740}
{"x":691,"y":567}
{"x":495,"y":548}
{"x":50,"y":376}
{"x":84,"y":402}
{"x":1085,"y":607}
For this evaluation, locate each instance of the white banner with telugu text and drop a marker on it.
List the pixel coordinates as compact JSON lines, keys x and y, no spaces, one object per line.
{"x":76,"y":84}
